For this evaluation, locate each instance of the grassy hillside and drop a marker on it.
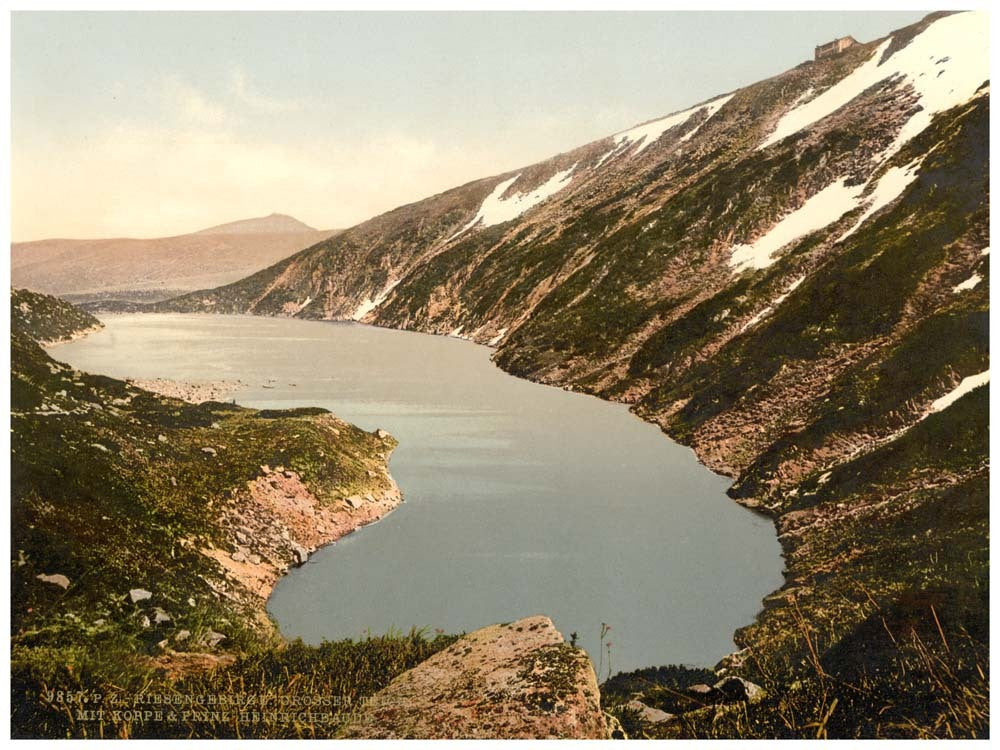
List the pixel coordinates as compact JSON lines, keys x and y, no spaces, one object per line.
{"x":813,"y":376}
{"x":48,"y":319}
{"x":127,"y":510}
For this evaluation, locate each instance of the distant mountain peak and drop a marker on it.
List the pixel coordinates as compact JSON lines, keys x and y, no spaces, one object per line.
{"x":273,"y":223}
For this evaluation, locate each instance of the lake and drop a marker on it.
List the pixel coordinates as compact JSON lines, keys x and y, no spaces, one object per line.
{"x":520,"y":498}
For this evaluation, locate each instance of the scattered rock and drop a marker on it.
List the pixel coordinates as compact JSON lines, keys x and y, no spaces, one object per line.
{"x":354,"y":501}
{"x":702,"y":693}
{"x":504,"y":681}
{"x":195,"y":393}
{"x":650,"y":714}
{"x":138,"y":595}
{"x":736,"y":689}
{"x":300,"y":553}
{"x":734,"y":660}
{"x":239,"y":556}
{"x":162,"y":438}
{"x":58,"y":579}
{"x":182,"y":635}
{"x":209,"y":451}
{"x":212,"y":638}
{"x":381,"y":434}
{"x":102,"y":448}
{"x":160,"y":616}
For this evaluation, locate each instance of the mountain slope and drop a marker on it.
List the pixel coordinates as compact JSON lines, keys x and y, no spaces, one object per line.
{"x":271,"y":224}
{"x":48,"y":320}
{"x":125,"y":268}
{"x":791,"y":278}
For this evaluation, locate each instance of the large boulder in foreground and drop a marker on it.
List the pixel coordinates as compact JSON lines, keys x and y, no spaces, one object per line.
{"x":504,"y":681}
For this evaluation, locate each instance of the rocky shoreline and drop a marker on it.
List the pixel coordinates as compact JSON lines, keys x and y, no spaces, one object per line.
{"x":195,"y":392}
{"x":75,"y":336}
{"x":277,"y":522}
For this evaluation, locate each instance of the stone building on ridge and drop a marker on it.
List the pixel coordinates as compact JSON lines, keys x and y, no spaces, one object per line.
{"x":835,"y":47}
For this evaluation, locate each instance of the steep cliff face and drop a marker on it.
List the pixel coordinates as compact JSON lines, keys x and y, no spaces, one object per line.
{"x":792,"y":278}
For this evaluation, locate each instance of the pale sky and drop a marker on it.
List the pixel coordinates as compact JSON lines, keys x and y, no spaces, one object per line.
{"x":152,"y":124}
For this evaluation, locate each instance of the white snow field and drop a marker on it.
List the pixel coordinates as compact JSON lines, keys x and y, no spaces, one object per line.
{"x":889,"y":187}
{"x":496,"y":209}
{"x":651,"y":132}
{"x":945,"y":64}
{"x":822,"y":209}
{"x":970,"y":383}
{"x":970,"y":283}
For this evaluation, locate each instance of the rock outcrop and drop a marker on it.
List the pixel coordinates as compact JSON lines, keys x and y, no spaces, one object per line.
{"x":511,"y":681}
{"x":277,"y":521}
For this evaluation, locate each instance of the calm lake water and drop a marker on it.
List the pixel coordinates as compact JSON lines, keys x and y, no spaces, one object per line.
{"x":520,"y":498}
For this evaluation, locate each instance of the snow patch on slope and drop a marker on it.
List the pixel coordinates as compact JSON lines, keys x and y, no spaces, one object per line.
{"x":607,"y":155}
{"x":496,"y":209}
{"x":970,"y":283}
{"x":712,"y":107}
{"x":770,"y":308}
{"x":799,"y":117}
{"x":889,"y":187}
{"x":968,"y":384}
{"x":945,"y":64}
{"x":821,"y":210}
{"x":648,"y":134}
{"x":368,"y":304}
{"x":496,"y":339}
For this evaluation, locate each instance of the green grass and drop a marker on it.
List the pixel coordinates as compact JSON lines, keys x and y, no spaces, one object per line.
{"x":111,"y":488}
